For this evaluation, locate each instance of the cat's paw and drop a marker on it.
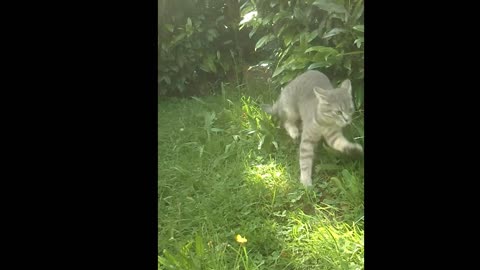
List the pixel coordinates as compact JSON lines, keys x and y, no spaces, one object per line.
{"x":293,"y":132}
{"x":355,"y":151}
{"x":307,"y":182}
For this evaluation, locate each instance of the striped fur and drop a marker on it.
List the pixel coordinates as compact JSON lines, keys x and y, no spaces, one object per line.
{"x":323,"y":111}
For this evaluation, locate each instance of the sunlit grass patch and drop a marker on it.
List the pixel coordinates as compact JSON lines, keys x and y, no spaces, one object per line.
{"x":271,"y":175}
{"x":327,"y":244}
{"x":226,"y":169}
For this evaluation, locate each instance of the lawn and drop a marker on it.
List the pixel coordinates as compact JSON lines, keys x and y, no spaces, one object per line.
{"x":227,"y":169}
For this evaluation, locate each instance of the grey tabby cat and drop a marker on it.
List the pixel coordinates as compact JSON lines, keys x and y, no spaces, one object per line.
{"x":323,"y":112}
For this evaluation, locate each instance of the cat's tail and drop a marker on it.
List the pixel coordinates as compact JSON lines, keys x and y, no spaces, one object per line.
{"x":270,"y":109}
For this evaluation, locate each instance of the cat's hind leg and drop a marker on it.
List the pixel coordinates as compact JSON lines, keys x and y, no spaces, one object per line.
{"x":290,"y":120}
{"x":292,"y":129}
{"x":307,"y":146}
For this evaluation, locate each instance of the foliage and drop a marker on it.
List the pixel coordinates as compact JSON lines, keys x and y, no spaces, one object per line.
{"x":198,"y":44}
{"x":310,"y":34}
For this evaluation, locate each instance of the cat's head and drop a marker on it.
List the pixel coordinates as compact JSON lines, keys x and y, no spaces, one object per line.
{"x":336,"y":105}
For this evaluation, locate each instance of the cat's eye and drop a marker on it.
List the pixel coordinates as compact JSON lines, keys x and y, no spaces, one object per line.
{"x":339,"y":112}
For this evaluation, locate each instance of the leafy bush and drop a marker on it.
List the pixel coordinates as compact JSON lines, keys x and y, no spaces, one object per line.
{"x":198,"y":44}
{"x":310,"y":34}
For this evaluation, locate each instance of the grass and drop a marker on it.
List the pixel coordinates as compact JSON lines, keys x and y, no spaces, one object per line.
{"x":226,"y":169}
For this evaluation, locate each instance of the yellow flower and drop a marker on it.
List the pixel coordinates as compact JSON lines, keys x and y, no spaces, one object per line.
{"x":240,"y":239}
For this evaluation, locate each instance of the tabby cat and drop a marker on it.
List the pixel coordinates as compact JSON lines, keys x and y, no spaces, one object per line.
{"x":323,"y":111}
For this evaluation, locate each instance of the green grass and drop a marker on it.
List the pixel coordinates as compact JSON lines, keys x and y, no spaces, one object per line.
{"x":225,"y":168}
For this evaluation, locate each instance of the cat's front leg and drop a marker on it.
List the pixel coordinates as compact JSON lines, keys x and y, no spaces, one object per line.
{"x":307,"y":146}
{"x":337,"y":141}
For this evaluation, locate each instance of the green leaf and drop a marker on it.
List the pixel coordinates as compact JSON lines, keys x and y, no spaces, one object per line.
{"x":178,"y":38}
{"x":321,"y":49}
{"x":330,"y":6}
{"x":358,"y":42}
{"x":189,"y":27}
{"x":281,"y":15}
{"x":275,"y":144}
{"x":338,"y":183}
{"x":348,"y":65}
{"x":169,"y":27}
{"x":248,"y":17}
{"x":347,"y":175}
{"x":264,"y":40}
{"x":260,"y":143}
{"x":212,"y":66}
{"x":357,"y":11}
{"x":326,"y":58}
{"x":359,"y":94}
{"x":341,"y":16}
{"x":298,"y":63}
{"x":298,"y":14}
{"x":317,"y":65}
{"x":266,"y":21}
{"x":312,"y":36}
{"x":288,"y":37}
{"x":208,"y":64}
{"x":252,"y":32}
{"x":334,"y":32}
{"x":303,"y":40}
{"x":283,"y":28}
{"x":278,"y":71}
{"x":246,"y":7}
{"x":288,"y":77}
{"x":359,"y":27}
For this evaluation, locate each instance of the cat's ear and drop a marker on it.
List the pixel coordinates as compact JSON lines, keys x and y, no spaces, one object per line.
{"x":321,"y":94}
{"x":347,"y":85}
